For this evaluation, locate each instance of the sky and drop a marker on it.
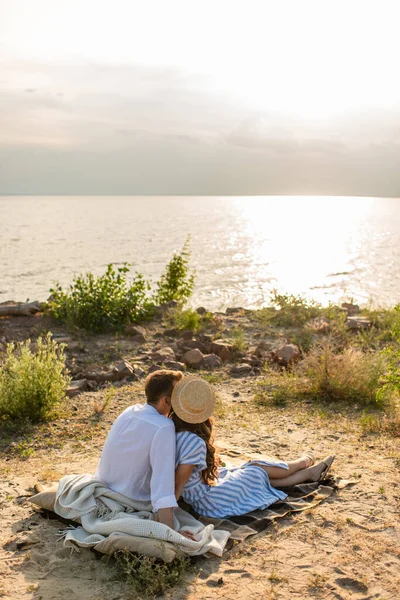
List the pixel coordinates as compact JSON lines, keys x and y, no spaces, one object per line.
{"x":200,"y":97}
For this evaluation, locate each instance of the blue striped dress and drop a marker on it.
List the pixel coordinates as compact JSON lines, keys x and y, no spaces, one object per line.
{"x":236,"y":492}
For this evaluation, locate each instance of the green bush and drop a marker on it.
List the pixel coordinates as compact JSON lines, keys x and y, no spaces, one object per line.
{"x":150,"y":576}
{"x":177,"y":282}
{"x":108,"y":302}
{"x":391,"y":379}
{"x":32,"y":383}
{"x":102,"y":303}
{"x":293,"y":310}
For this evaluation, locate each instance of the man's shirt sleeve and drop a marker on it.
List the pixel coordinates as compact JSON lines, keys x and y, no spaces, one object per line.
{"x":162,"y":459}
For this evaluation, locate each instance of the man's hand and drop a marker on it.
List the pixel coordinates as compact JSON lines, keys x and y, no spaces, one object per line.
{"x":187,"y":534}
{"x":165,"y":516}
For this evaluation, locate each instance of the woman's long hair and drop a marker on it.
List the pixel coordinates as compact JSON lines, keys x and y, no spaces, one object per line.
{"x":205,"y":432}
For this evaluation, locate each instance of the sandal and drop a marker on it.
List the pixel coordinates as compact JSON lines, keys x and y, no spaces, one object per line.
{"x":311,"y":457}
{"x":328,"y":463}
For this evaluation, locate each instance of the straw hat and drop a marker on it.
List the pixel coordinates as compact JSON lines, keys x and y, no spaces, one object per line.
{"x":193,"y":400}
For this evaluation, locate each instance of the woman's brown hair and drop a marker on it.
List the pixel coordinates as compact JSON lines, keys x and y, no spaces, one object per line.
{"x":205,"y":432}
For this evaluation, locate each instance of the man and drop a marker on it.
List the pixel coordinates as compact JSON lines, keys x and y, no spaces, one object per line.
{"x":138,"y":458}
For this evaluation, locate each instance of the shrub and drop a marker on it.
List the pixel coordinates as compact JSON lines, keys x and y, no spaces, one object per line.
{"x":176,"y":283}
{"x":238,"y":337}
{"x":350,"y":376}
{"x":108,"y":302}
{"x":391,"y":380}
{"x":148,"y":575}
{"x":293,"y":310}
{"x":184,"y":319}
{"x":187,"y":319}
{"x":32,"y":383}
{"x":102,"y":303}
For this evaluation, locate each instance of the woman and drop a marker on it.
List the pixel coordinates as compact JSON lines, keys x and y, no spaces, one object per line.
{"x":218,"y":492}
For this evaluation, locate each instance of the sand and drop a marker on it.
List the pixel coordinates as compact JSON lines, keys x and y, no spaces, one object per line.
{"x":348,"y":547}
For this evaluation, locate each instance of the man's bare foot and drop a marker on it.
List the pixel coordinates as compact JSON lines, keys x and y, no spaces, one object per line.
{"x":319,"y":471}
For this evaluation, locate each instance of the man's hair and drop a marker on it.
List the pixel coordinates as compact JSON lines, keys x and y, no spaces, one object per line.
{"x":160,"y":383}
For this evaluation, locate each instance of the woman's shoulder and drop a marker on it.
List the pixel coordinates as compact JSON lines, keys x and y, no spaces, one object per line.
{"x":185,"y":438}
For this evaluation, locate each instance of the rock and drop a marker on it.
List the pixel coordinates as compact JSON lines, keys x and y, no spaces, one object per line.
{"x":139,"y":372}
{"x":350,"y":308}
{"x":76,"y":387}
{"x":163,"y":355}
{"x":138,"y":334}
{"x":121,"y":370}
{"x":236,"y":394}
{"x":62,"y":338}
{"x":261,"y":349}
{"x":2,"y":347}
{"x":241,"y":370}
{"x":174,"y":332}
{"x":186,"y":345}
{"x":233,"y":310}
{"x":194,"y":358}
{"x":73,"y":346}
{"x":286,"y":354}
{"x":201,"y":310}
{"x":153,"y":368}
{"x":187,"y":334}
{"x":358,"y":323}
{"x":174,"y":365}
{"x":211,"y":361}
{"x":222,"y":349}
{"x":253,"y":360}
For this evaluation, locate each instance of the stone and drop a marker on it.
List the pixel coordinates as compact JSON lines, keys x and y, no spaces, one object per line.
{"x":192,"y":344}
{"x":174,"y":332}
{"x":153,"y":368}
{"x":62,"y":338}
{"x":2,"y":347}
{"x":73,"y":346}
{"x":350,"y":308}
{"x":358,"y":323}
{"x":193,"y":358}
{"x":211,"y":361}
{"x":222,"y":349}
{"x":137,"y":333}
{"x":121,"y":370}
{"x":286,"y":354}
{"x":139,"y":372}
{"x":233,"y":310}
{"x":241,"y":370}
{"x":187,"y":334}
{"x":261,"y":349}
{"x":163,"y":355}
{"x":201,"y":310}
{"x":76,"y":387}
{"x":175,"y":365}
{"x":254,"y":361}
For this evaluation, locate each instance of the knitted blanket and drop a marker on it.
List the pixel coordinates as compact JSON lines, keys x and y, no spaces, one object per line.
{"x":103,"y":514}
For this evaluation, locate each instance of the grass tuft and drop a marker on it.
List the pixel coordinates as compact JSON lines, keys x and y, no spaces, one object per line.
{"x":150,"y":576}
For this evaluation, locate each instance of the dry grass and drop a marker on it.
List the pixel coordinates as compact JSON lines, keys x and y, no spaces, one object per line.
{"x":350,"y":376}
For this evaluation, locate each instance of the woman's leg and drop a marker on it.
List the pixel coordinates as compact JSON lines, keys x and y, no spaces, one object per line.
{"x":310,"y":474}
{"x":280,"y":473}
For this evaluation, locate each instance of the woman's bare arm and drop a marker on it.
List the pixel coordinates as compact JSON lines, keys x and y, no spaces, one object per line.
{"x":182,"y":474}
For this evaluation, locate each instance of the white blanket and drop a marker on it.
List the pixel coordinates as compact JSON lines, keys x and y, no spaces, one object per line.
{"x":102,"y":513}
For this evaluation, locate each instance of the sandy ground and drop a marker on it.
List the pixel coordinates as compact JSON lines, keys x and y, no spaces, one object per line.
{"x":348,"y":547}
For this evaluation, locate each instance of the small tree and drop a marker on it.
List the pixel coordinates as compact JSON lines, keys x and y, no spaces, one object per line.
{"x":32,"y":383}
{"x":177,"y":282}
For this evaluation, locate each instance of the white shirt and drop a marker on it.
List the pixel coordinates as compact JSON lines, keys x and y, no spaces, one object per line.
{"x":138,"y":458}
